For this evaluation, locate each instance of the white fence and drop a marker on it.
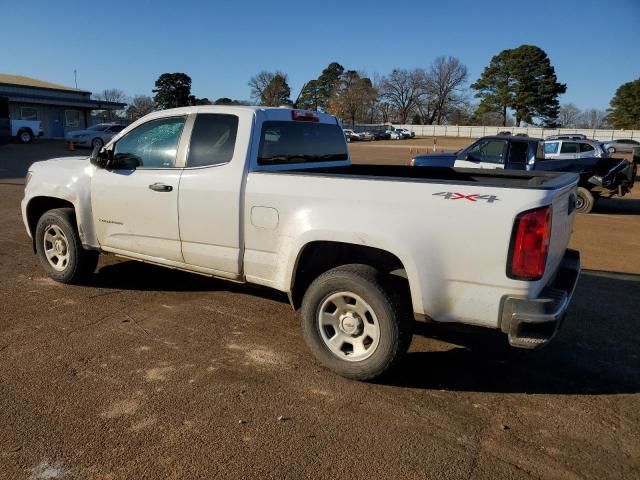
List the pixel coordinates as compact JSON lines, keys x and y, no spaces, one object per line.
{"x":538,"y":132}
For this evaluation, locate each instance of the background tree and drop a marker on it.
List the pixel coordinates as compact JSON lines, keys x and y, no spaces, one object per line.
{"x":270,"y":88}
{"x":229,"y":101}
{"x":309,"y":97}
{"x":523,"y":80}
{"x":444,"y":79}
{"x":568,"y":115}
{"x":403,"y":90}
{"x":624,"y":112}
{"x":172,"y":90}
{"x":111,"y":95}
{"x":140,"y":106}
{"x":352,"y":97}
{"x":315,"y":94}
{"x":592,"y":118}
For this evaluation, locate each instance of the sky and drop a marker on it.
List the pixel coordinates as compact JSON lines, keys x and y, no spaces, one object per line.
{"x":593,"y":45}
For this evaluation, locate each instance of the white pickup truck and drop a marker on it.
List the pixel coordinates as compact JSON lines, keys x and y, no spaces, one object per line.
{"x":269,"y":196}
{"x":26,"y":130}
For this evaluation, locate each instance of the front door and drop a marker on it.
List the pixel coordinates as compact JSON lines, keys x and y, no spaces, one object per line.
{"x":135,"y":204}
{"x":487,"y":153}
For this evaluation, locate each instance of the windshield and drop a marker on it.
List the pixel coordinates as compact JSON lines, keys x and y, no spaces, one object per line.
{"x":300,"y":142}
{"x":99,"y":128}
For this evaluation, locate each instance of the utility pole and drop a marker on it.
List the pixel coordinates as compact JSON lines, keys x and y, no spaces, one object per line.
{"x":75,"y":77}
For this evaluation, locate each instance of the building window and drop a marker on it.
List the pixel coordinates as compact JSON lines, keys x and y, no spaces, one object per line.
{"x":72,"y":118}
{"x":28,"y":113}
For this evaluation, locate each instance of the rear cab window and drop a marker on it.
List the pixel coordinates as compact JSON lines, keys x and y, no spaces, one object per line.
{"x":289,"y":142}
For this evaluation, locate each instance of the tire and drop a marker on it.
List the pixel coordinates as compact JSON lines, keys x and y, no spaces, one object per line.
{"x":25,"y":136}
{"x":585,"y":200}
{"x":97,"y":142}
{"x":365,"y":333}
{"x":59,"y":247}
{"x":611,"y":150}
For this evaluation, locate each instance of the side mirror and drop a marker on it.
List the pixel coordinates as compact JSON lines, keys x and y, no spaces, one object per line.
{"x":100,"y":157}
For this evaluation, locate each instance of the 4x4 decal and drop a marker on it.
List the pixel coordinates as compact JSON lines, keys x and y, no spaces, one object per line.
{"x":474,"y":197}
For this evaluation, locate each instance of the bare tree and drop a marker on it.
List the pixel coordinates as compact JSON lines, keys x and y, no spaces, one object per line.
{"x":112,"y":95}
{"x":140,"y":106}
{"x":261,"y":81}
{"x":569,"y":115}
{"x":403,"y":90}
{"x":593,"y":119}
{"x":444,"y":79}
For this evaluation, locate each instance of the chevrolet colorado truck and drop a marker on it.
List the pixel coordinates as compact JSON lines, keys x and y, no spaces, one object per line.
{"x":599,"y":176}
{"x":269,"y":196}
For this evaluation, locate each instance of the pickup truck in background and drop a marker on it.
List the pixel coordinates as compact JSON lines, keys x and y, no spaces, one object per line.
{"x":599,"y":176}
{"x":269,"y":196}
{"x":26,"y":130}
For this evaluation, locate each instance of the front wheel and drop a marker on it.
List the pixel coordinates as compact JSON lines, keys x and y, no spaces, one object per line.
{"x":584,"y":201}
{"x":354,"y":323}
{"x":97,"y":142}
{"x":59,"y":247}
{"x":611,"y":150}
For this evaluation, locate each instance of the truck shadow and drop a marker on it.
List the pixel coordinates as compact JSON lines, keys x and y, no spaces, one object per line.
{"x":132,"y":275}
{"x":596,"y":352}
{"x":617,"y":206}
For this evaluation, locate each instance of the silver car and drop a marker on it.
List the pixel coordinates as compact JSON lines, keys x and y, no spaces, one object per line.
{"x":567,"y":149}
{"x":97,"y":135}
{"x":621,"y":145}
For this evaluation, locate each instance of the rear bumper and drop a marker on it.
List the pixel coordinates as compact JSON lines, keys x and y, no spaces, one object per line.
{"x":533,"y":322}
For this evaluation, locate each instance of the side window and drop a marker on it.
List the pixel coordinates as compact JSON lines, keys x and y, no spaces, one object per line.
{"x":585,"y":147}
{"x":213,"y":139}
{"x":491,"y":151}
{"x":551,"y":148}
{"x":153,"y":144}
{"x":569,"y":147}
{"x":518,"y":152}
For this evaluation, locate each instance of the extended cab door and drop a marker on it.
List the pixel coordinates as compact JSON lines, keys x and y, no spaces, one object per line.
{"x":135,"y":203}
{"x":211,"y":191}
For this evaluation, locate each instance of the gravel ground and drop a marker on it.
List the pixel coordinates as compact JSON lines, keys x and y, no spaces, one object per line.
{"x":147,"y":373}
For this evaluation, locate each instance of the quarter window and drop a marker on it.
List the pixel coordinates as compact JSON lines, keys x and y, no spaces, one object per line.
{"x":518,"y":152}
{"x":213,"y":139}
{"x":585,"y":147}
{"x":28,"y":113}
{"x":153,"y":144}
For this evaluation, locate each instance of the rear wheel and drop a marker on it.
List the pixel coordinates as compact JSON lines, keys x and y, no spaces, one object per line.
{"x":59,"y":247}
{"x":584,"y":201}
{"x":25,"y":136}
{"x":97,"y":142}
{"x":611,"y":150}
{"x":355,"y":323}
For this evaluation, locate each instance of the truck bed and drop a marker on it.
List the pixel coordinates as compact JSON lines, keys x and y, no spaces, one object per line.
{"x":461,"y":176}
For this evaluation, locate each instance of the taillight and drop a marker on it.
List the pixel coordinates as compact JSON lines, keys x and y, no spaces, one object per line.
{"x":304,"y":116}
{"x":530,"y":244}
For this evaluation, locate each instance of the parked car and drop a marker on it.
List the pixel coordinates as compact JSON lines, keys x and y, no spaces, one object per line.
{"x":567,"y":136}
{"x":24,"y":131}
{"x":406,"y":133}
{"x":95,"y":136}
{"x":621,"y":145}
{"x":381,"y":135}
{"x":351,"y":135}
{"x":599,"y":176}
{"x":367,"y":136}
{"x":394,"y":134}
{"x":269,"y":196}
{"x":565,"y":149}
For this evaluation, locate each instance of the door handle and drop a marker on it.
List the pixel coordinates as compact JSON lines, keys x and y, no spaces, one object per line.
{"x":160,"y":187}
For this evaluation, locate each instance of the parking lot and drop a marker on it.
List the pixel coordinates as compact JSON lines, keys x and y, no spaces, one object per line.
{"x":153,"y":373}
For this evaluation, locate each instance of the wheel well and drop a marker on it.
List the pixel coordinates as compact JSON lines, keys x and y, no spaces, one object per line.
{"x":25,"y":129}
{"x":38,"y":206}
{"x":319,"y":257}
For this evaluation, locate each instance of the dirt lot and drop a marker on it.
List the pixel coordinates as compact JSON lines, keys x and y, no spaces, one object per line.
{"x":152,"y":373}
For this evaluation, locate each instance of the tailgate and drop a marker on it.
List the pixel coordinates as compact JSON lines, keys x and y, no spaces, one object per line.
{"x":564,"y":212}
